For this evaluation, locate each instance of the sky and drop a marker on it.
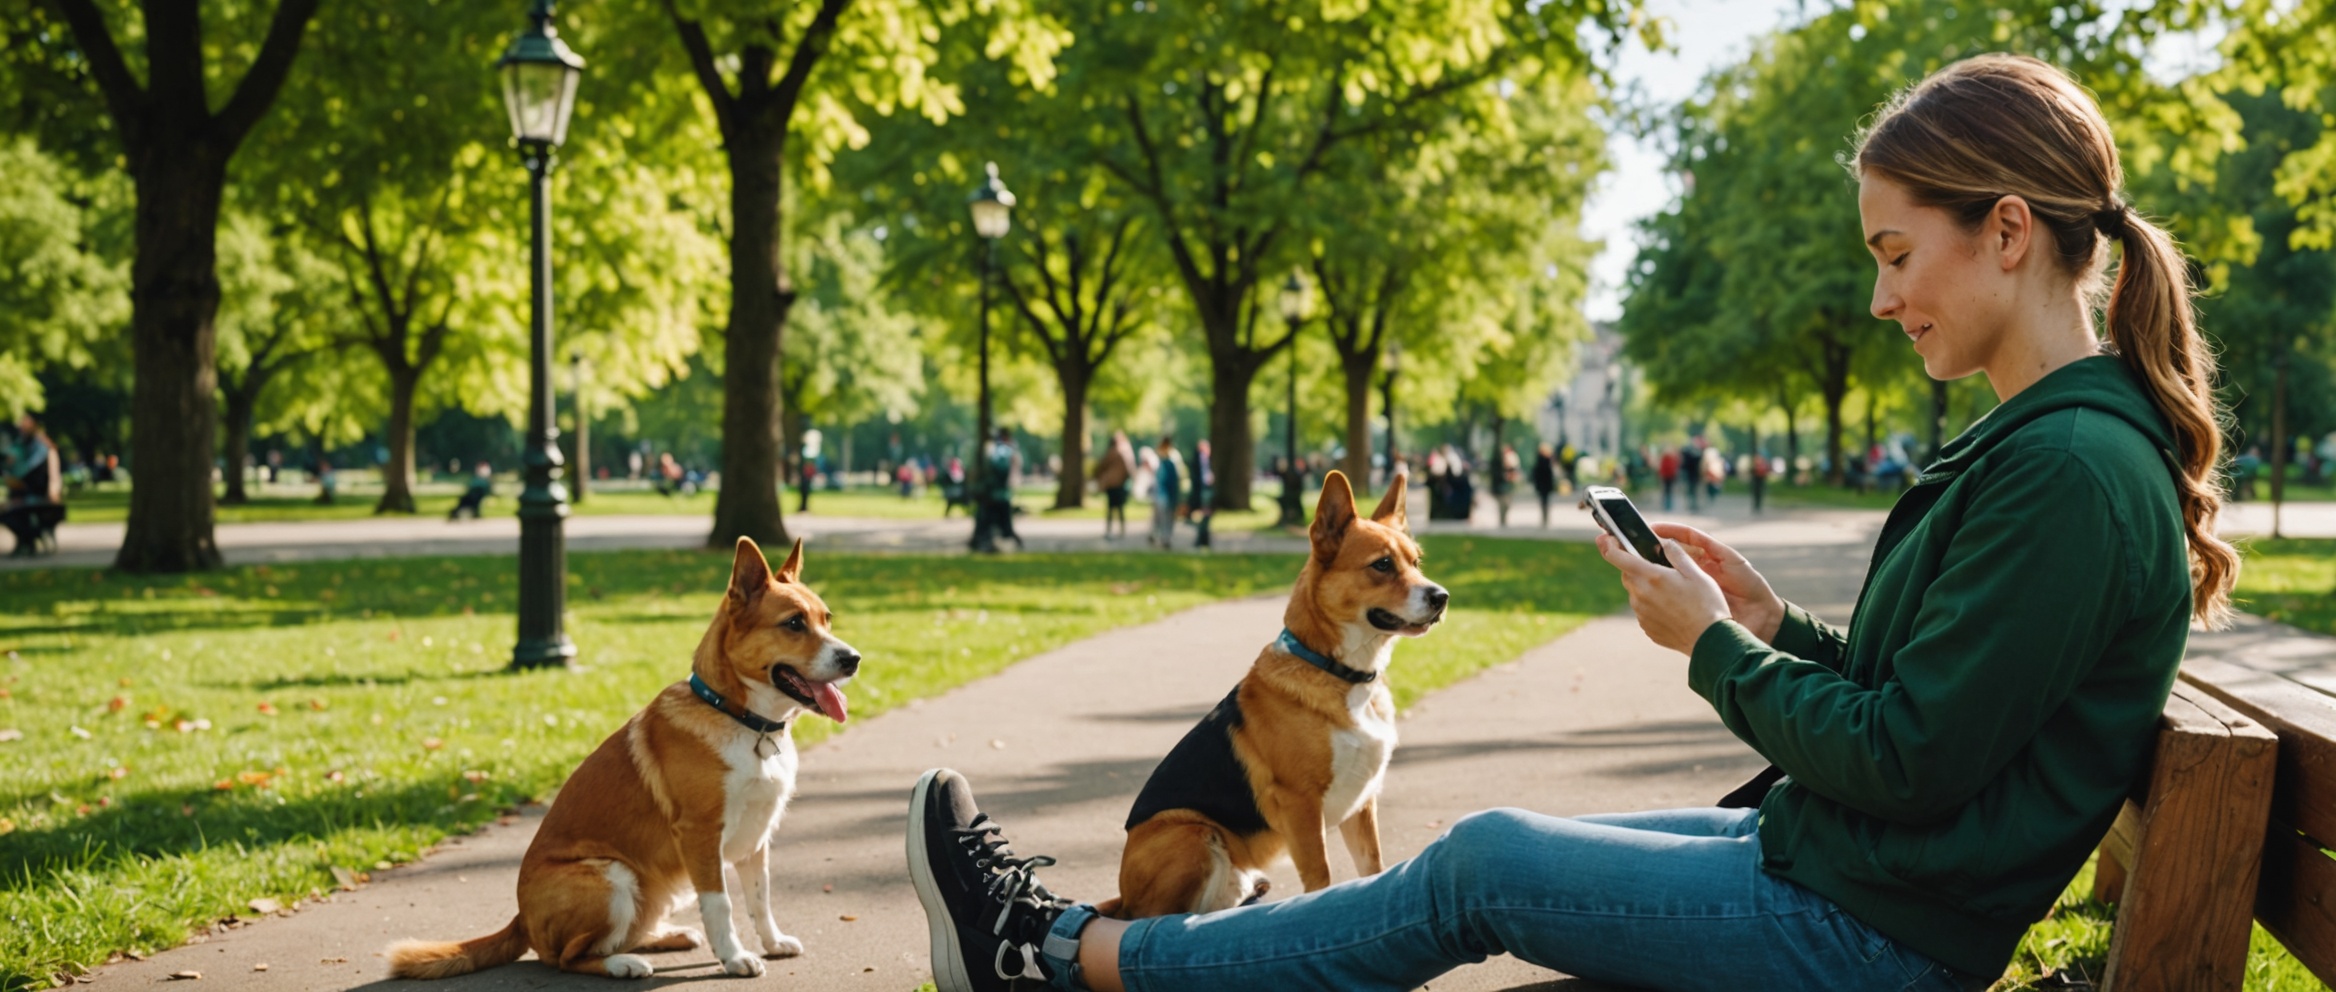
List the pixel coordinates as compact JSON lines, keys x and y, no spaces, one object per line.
{"x":1703,"y":35}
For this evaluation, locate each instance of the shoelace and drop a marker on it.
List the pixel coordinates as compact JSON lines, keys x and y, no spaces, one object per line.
{"x":1012,"y":884}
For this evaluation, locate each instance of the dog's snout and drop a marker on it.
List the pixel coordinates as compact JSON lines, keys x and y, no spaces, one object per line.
{"x":847,"y":661}
{"x":1437,"y":596}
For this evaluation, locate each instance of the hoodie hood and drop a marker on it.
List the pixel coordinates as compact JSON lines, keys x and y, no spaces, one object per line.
{"x":2100,"y":383}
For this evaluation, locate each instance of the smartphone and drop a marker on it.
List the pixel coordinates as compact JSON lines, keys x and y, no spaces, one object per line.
{"x":1614,"y":512}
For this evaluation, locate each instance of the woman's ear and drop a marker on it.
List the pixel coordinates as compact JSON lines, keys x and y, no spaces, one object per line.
{"x":2011,"y":227}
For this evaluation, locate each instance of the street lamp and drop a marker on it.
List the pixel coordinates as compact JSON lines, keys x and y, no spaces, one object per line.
{"x":539,"y":89}
{"x":1297,"y":299}
{"x":993,"y":209}
{"x":1394,"y":362}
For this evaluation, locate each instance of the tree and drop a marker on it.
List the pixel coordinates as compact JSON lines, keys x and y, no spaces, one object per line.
{"x":275,"y":315}
{"x":1466,"y":231}
{"x":852,"y":356}
{"x":176,"y":147}
{"x":1757,"y":276}
{"x":756,"y":69}
{"x":1219,"y":147}
{"x":58,"y":293}
{"x":403,"y":184}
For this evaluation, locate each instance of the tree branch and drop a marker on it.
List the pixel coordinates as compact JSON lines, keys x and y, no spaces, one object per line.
{"x":123,"y":97}
{"x":266,"y":76}
{"x":808,"y":51}
{"x":701,"y":62}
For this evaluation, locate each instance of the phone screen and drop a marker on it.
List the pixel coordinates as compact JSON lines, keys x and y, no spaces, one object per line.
{"x":1626,"y":525}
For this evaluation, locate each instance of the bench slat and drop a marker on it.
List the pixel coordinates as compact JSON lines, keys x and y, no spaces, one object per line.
{"x":2305,"y":721}
{"x":2297,"y":901}
{"x":2195,"y":845}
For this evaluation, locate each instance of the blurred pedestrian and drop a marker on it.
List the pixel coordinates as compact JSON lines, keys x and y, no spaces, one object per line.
{"x":1545,"y":476}
{"x":1113,"y":472}
{"x":1167,"y":489}
{"x":1201,"y":505}
{"x":1505,"y":476}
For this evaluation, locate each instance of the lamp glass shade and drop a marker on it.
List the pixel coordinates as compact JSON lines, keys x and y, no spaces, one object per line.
{"x":540,"y":97}
{"x":991,"y":218}
{"x":992,"y":205}
{"x":1297,"y":299}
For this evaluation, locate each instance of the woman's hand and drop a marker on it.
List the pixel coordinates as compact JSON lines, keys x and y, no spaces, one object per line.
{"x":1674,"y":605}
{"x":1750,"y":601}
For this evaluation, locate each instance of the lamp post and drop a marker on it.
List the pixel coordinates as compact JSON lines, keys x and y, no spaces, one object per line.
{"x":993,"y":209}
{"x":583,"y":428}
{"x":1394,"y":362}
{"x":1297,"y":298}
{"x":539,"y":90}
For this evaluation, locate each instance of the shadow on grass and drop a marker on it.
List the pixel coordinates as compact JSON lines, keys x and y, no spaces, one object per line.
{"x":171,"y":822}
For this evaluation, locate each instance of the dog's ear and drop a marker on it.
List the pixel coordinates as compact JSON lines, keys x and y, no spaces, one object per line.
{"x":1390,"y":511}
{"x":1334,"y":513}
{"x":750,"y":575}
{"x":792,"y":570}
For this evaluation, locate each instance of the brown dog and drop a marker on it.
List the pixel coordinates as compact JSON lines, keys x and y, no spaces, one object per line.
{"x":1302,"y":743}
{"x":695,"y":781}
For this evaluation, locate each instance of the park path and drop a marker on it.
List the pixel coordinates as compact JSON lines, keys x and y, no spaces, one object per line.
{"x":93,"y":545}
{"x":1596,"y":720}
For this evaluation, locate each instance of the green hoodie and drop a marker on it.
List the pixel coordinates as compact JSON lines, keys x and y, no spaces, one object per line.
{"x":1957,"y":752}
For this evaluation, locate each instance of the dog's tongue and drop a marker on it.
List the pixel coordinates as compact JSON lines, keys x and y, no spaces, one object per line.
{"x":830,"y":700}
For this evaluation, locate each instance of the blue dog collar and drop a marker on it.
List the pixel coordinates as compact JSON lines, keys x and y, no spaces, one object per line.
{"x":746,"y":719}
{"x":1289,"y":642}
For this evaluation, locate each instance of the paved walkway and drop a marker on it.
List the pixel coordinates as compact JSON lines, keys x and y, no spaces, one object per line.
{"x":93,"y":545}
{"x":1597,"y":720}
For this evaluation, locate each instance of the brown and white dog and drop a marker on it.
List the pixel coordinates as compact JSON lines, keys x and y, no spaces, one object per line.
{"x":1302,"y":743}
{"x":693,"y":782}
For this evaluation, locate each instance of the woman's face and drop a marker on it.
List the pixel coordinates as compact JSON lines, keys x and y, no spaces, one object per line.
{"x":1946,"y":287}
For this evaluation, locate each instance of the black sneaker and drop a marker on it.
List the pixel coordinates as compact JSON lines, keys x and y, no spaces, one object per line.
{"x":988,"y":915}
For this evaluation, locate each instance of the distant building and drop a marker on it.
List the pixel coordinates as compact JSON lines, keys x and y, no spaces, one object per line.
{"x":1587,"y":411}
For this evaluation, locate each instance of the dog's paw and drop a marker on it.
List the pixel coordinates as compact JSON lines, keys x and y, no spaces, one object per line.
{"x":744,"y":966}
{"x":628,"y":966}
{"x":781,"y":946}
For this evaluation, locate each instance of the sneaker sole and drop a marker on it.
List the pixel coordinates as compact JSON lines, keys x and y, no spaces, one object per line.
{"x":948,"y":956}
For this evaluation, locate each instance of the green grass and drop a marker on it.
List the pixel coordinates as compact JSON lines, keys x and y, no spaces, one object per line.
{"x":2073,"y":942}
{"x":192,"y":743}
{"x":2292,"y":581}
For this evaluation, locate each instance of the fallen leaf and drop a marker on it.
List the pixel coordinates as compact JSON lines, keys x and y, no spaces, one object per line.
{"x":117,"y":704}
{"x":317,"y":704}
{"x":333,"y":961}
{"x":186,"y":976}
{"x":7,"y":826}
{"x":432,"y":743}
{"x":262,"y":966}
{"x":267,"y":708}
{"x":830,"y":887}
{"x":847,"y":918}
{"x":265,"y":906}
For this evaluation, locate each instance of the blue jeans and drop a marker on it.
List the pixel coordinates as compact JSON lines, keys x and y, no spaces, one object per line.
{"x":1674,"y":899}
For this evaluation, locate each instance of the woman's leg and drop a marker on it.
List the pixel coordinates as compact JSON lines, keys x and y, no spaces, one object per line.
{"x":1690,"y":909}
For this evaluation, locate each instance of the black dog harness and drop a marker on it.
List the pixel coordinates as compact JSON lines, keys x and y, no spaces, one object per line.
{"x":1203,"y":774}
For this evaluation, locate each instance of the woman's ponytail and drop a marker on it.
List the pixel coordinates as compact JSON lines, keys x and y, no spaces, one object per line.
{"x":2154,"y":331}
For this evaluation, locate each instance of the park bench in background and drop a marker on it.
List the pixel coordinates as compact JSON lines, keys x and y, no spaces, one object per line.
{"x":2242,"y":791}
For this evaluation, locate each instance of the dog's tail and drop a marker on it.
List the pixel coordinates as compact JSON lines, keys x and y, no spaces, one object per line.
{"x":445,"y":959}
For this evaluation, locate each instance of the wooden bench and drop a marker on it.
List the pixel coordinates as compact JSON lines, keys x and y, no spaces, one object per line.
{"x":2227,"y":827}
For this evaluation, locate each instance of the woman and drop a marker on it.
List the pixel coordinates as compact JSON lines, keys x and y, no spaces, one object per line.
{"x":1545,"y":473}
{"x":1951,"y":758}
{"x":1112,"y":474}
{"x":1167,"y":488}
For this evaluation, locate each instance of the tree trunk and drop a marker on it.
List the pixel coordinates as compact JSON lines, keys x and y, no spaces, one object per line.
{"x":397,"y":477}
{"x":1071,"y":489}
{"x":748,"y":504}
{"x":173,"y":410}
{"x":1792,"y":442}
{"x":1233,"y":450}
{"x":242,"y":401}
{"x":2279,"y":443}
{"x":1357,"y":463}
{"x":1835,"y":386}
{"x":792,"y":457}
